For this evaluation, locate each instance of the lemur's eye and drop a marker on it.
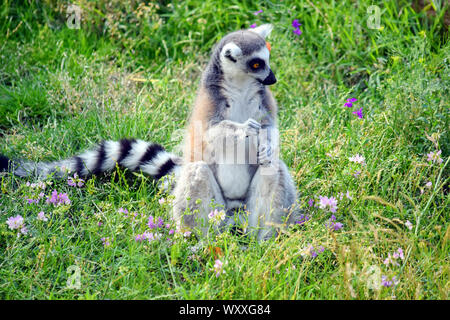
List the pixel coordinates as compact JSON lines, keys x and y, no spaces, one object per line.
{"x":256,"y":64}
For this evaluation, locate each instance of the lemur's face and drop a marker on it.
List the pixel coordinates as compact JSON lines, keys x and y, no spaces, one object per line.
{"x":245,"y":55}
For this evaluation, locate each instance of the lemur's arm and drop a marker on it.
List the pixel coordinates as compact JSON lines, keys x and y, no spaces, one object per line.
{"x":268,"y":144}
{"x":262,"y":139}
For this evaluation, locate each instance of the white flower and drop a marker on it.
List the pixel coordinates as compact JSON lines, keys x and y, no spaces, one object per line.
{"x":216,"y":216}
{"x":408,"y":224}
{"x":358,"y":159}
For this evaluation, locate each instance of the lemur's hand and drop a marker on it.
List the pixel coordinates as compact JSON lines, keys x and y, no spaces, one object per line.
{"x":267,"y":145}
{"x":265,"y":154}
{"x":251,"y":127}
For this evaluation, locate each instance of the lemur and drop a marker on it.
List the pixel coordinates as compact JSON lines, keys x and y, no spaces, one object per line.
{"x":234,"y":109}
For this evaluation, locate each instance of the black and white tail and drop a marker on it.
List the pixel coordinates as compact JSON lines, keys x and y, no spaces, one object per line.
{"x":132,"y":154}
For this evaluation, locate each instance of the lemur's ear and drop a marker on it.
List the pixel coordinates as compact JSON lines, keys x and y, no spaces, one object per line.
{"x":231,"y":51}
{"x":263,"y":30}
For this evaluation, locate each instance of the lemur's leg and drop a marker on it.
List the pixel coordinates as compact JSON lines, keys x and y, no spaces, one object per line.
{"x":195,"y":189}
{"x":271,"y":200}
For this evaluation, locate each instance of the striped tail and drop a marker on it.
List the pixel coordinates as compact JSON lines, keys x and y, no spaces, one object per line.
{"x":132,"y":154}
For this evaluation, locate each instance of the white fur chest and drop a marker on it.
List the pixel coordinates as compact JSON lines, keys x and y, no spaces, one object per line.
{"x":243,"y":101}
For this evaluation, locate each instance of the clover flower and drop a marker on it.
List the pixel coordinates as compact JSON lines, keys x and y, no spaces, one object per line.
{"x":161,"y":223}
{"x":313,"y":252}
{"x":151,"y":222}
{"x":75,"y":181}
{"x":358,"y":159}
{"x":435,"y":157}
{"x":106,"y":241}
{"x":187,"y":234}
{"x":389,"y":283}
{"x":328,"y":203}
{"x":58,"y":198}
{"x":332,"y":224}
{"x":32,"y":200}
{"x":124,"y":211}
{"x":218,"y":268}
{"x":42,"y":217}
{"x":15,"y":222}
{"x":348,"y":196}
{"x":408,"y":224}
{"x":395,"y":255}
{"x":216,"y":216}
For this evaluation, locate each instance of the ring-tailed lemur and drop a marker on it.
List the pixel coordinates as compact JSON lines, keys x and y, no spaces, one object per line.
{"x":234,"y":109}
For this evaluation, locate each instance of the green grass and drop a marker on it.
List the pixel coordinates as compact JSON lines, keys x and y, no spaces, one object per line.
{"x":133,"y":71}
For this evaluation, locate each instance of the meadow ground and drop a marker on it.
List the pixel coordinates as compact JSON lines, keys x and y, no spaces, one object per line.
{"x":131,"y":69}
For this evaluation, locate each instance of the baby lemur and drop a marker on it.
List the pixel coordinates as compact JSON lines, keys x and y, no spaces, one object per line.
{"x":231,"y":147}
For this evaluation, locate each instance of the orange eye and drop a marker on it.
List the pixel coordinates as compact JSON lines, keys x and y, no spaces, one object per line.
{"x":255,"y":65}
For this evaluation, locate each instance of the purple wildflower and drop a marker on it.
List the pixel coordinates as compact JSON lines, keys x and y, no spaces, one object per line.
{"x":297,"y":31}
{"x":151,"y":224}
{"x":337,"y":226}
{"x":296,"y":24}
{"x":253,"y":25}
{"x":349,"y":102}
{"x":75,"y":181}
{"x":385,"y":282}
{"x":359,"y":113}
{"x":160,"y":222}
{"x":356,"y":173}
{"x":334,"y":225}
{"x":31,"y":201}
{"x":311,"y":202}
{"x":302,"y":220}
{"x":389,"y":283}
{"x":257,"y":12}
{"x":314,"y":252}
{"x":106,"y":241}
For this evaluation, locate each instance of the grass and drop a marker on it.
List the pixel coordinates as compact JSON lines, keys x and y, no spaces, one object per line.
{"x":132,"y":70}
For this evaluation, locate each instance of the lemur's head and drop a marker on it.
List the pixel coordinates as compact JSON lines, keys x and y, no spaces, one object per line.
{"x":245,"y":55}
